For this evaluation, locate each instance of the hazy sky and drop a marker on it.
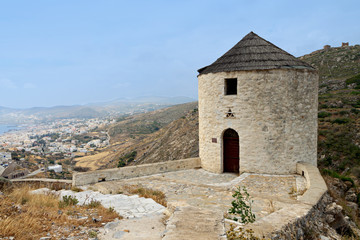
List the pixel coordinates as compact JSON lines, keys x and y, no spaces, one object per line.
{"x":69,"y":52}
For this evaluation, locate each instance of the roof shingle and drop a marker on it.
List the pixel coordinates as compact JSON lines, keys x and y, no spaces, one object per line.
{"x":254,"y":53}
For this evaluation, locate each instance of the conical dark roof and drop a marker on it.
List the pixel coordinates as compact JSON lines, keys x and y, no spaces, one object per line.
{"x":254,"y":53}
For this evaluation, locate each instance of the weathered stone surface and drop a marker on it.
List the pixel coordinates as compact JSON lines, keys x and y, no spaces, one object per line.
{"x":333,"y":209}
{"x":275,"y":115}
{"x":200,"y":224}
{"x":127,"y":206}
{"x":351,"y":195}
{"x":329,"y":218}
{"x":144,"y":228}
{"x":111,"y":225}
{"x":118,"y":234}
{"x":353,"y":206}
{"x":338,"y":186}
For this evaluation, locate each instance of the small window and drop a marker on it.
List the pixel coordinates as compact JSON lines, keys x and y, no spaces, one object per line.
{"x":231,"y":86}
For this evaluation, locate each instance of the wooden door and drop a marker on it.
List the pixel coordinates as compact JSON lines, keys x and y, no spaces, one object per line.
{"x":231,"y":151}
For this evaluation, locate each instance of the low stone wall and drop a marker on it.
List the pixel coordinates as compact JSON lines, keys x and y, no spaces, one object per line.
{"x":293,"y":222}
{"x":315,"y":184}
{"x":55,"y":184}
{"x":134,"y":171}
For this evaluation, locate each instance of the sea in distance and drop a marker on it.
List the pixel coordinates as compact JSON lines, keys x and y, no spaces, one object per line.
{"x":6,"y":128}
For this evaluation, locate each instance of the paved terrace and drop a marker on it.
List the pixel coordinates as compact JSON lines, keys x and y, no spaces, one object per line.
{"x":198,"y":201}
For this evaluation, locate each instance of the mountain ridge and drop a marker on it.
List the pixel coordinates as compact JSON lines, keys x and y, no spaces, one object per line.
{"x":91,"y":110}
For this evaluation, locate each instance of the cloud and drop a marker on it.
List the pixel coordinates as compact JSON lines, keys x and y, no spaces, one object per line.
{"x":7,"y":83}
{"x":29,"y":86}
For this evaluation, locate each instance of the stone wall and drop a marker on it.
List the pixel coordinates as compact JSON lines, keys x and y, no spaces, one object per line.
{"x":55,"y":184}
{"x":275,"y":115}
{"x":134,"y":171}
{"x":307,"y":215}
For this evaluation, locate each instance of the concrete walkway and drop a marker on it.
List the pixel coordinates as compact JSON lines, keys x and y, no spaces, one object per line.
{"x":200,"y":199}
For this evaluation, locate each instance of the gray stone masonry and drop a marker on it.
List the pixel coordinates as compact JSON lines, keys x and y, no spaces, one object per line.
{"x":275,"y":116}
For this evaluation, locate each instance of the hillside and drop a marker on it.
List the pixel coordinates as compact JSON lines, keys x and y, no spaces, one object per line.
{"x":149,"y":135}
{"x":177,"y":140}
{"x":339,"y":103}
{"x":142,"y":124}
{"x":336,"y":62}
{"x":335,"y":65}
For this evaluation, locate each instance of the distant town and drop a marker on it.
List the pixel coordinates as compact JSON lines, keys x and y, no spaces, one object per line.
{"x":48,"y":149}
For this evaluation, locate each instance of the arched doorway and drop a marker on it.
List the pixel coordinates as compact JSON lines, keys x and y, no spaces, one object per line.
{"x":231,"y":151}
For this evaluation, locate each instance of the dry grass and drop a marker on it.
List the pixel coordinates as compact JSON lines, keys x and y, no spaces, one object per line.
{"x":271,"y":206}
{"x":156,"y":195}
{"x":93,"y":162}
{"x":294,"y":192}
{"x":31,"y":216}
{"x":76,"y":189}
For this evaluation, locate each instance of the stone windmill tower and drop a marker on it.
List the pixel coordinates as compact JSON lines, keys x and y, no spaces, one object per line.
{"x":257,"y":110}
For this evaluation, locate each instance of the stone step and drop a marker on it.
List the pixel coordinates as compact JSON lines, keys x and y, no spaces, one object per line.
{"x":195,"y":223}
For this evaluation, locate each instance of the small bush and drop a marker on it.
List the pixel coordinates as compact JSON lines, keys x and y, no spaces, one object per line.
{"x":356,"y":105}
{"x":241,"y":206}
{"x":92,"y":234}
{"x":341,"y":120}
{"x":355,"y":79}
{"x":354,"y":110}
{"x":68,"y":201}
{"x":121,"y":163}
{"x":324,"y":114}
{"x":324,"y":106}
{"x":342,"y":113}
{"x":93,"y":204}
{"x":327,"y":161}
{"x":81,"y":169}
{"x":127,"y":158}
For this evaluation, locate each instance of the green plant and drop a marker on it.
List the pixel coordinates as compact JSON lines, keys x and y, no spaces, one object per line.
{"x":93,"y":204}
{"x":341,"y":120}
{"x":354,"y":110}
{"x":324,"y":106}
{"x":355,"y":79}
{"x":342,"y":113}
{"x":68,"y":200}
{"x":324,"y":114}
{"x":127,"y":158}
{"x":92,"y":234}
{"x":121,"y":163}
{"x":241,"y":206}
{"x":24,"y":200}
